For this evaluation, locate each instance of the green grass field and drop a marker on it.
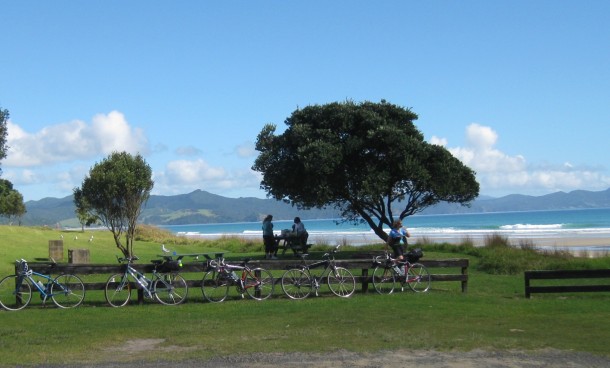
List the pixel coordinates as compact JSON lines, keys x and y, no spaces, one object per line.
{"x":494,"y":315}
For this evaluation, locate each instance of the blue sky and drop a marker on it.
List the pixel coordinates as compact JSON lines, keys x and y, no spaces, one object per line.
{"x":518,"y":90}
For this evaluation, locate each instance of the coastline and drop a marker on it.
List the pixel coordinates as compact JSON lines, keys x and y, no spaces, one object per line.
{"x":597,"y":243}
{"x":586,"y":230}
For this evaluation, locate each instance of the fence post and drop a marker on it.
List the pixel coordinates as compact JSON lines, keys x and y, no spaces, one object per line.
{"x":56,"y":250}
{"x":465,"y":282}
{"x":365,"y":280}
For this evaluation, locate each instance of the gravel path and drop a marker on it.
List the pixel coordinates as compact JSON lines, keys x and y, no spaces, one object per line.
{"x":403,"y":358}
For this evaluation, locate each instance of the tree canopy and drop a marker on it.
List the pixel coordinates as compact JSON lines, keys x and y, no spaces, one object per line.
{"x":366,"y":159}
{"x":114,"y":192}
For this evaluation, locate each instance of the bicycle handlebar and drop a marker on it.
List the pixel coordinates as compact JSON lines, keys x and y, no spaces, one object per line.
{"x":22,"y":265}
{"x":127,"y":259}
{"x":220,"y":262}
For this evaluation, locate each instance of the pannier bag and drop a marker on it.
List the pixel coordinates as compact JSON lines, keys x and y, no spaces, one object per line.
{"x":169,"y":266}
{"x":414,"y":255}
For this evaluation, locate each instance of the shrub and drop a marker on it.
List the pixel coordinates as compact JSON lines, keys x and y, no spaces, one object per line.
{"x":496,"y":241}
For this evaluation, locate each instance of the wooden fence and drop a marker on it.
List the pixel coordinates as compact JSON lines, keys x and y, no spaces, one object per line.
{"x":566,"y":275}
{"x":365,"y":265}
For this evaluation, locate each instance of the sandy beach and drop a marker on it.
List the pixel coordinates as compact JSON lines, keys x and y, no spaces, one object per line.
{"x":590,"y":245}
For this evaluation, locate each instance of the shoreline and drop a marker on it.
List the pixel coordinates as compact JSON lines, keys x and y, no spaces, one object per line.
{"x":574,"y":243}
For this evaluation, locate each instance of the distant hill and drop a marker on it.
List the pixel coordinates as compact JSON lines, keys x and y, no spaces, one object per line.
{"x":577,"y":199}
{"x":200,"y":207}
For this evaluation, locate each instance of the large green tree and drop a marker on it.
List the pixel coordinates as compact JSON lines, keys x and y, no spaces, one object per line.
{"x":366,"y":159}
{"x":115,"y":191}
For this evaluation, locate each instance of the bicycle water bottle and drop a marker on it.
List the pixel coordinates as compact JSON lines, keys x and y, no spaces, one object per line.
{"x":143,"y":281}
{"x":234,"y":276}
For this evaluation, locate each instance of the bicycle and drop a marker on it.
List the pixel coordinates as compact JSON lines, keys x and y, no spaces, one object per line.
{"x":66,"y":290}
{"x":256,"y":282}
{"x":167,"y":286}
{"x":389,"y":270}
{"x":298,"y":283}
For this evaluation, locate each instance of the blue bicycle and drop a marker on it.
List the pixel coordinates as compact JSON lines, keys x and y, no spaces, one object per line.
{"x":66,"y":291}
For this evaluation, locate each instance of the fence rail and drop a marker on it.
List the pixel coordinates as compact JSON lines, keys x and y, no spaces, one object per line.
{"x":566,"y":275}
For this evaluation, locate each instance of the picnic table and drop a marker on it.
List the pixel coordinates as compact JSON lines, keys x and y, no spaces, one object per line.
{"x":289,"y":241}
{"x":179,"y":256}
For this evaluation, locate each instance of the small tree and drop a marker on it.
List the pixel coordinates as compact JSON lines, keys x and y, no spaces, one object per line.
{"x":11,"y":201}
{"x":368,"y":160}
{"x":4,"y":115}
{"x":115,"y":191}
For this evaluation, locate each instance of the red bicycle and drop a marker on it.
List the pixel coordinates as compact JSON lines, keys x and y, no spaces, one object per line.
{"x":390,"y":271}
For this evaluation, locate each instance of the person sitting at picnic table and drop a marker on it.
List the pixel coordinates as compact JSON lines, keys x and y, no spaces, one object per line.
{"x":298,"y":230}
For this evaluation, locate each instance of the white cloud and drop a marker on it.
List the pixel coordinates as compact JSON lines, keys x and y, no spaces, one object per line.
{"x":113,"y":133}
{"x":438,"y":141}
{"x":19,"y":177}
{"x":246,"y":150}
{"x":183,"y":176}
{"x":188,"y":172}
{"x":188,"y":151}
{"x":500,"y":173}
{"x":75,"y":140}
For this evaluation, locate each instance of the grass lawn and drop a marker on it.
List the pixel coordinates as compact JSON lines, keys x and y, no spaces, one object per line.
{"x":494,"y":314}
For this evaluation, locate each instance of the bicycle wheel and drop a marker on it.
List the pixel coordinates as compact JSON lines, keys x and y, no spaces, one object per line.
{"x":384,"y":280}
{"x":341,"y":282}
{"x":215,"y":286}
{"x":296,"y":284}
{"x":118,"y":290}
{"x":13,"y":298}
{"x":259,"y":287}
{"x":67,"y":291}
{"x":170,"y":289}
{"x":418,"y":278}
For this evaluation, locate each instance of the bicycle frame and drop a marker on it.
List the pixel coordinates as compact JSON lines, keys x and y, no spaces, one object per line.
{"x":326,"y":263}
{"x":256,"y":282}
{"x":145,"y":283}
{"x":68,"y":292}
{"x":226,"y":269}
{"x":245,"y":272}
{"x":298,"y":282}
{"x":43,"y":289}
{"x":415,"y":275}
{"x":168,"y":288}
{"x":141,"y":279}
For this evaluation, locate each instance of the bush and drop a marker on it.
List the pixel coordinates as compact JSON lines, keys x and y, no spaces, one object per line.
{"x":496,"y":241}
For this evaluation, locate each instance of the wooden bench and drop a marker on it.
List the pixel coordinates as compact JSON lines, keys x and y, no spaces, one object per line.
{"x":197,"y":268}
{"x":565,"y":275}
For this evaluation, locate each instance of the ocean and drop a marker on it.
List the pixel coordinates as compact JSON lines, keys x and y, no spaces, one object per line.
{"x":584,"y":228}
